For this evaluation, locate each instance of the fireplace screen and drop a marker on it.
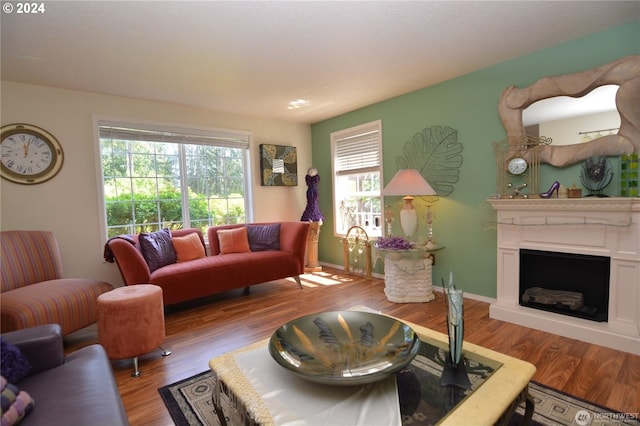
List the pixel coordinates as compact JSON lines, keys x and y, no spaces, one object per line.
{"x":565,"y":283}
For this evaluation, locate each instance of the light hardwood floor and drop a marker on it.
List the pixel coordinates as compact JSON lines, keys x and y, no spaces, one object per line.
{"x":197,"y":332}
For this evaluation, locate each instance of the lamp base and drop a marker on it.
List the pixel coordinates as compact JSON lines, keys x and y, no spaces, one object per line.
{"x":408,"y":217}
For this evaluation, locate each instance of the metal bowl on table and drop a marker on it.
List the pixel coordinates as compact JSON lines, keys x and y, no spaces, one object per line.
{"x":344,"y":347}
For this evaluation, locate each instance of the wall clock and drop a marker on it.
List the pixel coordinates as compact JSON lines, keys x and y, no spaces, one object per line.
{"x":29,"y":154}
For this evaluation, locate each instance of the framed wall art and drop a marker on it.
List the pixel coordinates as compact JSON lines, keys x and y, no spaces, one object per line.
{"x":278,"y":165}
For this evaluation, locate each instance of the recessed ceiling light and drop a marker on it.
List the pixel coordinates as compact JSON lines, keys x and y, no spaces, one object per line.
{"x":299,"y":103}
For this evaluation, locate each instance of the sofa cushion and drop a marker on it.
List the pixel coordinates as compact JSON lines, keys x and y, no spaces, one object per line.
{"x":188,"y":247}
{"x":13,"y":364}
{"x":15,"y":403}
{"x":264,"y":237}
{"x":70,"y":302}
{"x":234,"y":240}
{"x":157,"y":249}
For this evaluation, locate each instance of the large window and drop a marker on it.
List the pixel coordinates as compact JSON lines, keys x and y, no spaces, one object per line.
{"x":155,"y":177}
{"x":356,"y":162}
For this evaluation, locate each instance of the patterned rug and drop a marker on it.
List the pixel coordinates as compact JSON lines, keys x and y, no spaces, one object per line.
{"x":553,"y":407}
{"x":189,"y":403}
{"x":421,"y":398}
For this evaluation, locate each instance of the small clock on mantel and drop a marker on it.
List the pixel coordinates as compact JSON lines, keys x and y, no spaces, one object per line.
{"x":518,"y":166}
{"x":29,"y":154}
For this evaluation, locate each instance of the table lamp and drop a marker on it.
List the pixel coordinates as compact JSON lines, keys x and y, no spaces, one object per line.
{"x":408,"y":181}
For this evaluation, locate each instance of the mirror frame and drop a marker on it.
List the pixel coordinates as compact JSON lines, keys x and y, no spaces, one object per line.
{"x":624,"y":72}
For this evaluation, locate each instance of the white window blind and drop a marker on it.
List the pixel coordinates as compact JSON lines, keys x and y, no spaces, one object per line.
{"x":184,"y":136}
{"x":358,"y":153}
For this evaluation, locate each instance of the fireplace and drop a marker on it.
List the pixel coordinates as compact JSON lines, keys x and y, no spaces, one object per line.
{"x":590,"y":237}
{"x":565,"y":283}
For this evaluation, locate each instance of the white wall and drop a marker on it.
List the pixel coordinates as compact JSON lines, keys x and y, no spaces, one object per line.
{"x":68,"y":204}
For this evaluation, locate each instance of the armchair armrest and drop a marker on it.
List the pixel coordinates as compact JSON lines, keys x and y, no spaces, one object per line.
{"x":41,"y":345}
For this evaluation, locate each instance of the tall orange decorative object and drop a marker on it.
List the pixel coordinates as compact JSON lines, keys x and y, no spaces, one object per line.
{"x":311,"y":264}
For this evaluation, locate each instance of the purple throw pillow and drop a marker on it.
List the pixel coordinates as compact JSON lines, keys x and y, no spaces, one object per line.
{"x":264,"y":237}
{"x":157,"y":249}
{"x":14,"y":366}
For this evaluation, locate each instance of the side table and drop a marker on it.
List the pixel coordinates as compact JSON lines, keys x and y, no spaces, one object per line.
{"x":408,"y":275}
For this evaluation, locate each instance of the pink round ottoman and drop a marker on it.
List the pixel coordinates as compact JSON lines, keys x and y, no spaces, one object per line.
{"x":131,"y":322}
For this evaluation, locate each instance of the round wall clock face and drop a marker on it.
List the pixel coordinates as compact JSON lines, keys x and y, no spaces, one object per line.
{"x":29,"y":154}
{"x":517,"y":166}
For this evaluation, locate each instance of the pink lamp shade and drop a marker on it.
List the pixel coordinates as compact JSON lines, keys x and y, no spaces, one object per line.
{"x":408,"y":182}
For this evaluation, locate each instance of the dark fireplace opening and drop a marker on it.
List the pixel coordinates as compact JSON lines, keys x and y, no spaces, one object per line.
{"x":565,"y":283}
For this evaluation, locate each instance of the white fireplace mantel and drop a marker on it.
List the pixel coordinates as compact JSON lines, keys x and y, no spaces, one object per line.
{"x":593,"y":226}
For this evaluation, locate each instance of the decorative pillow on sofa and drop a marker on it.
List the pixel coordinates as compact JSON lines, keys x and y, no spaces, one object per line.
{"x":15,"y":403}
{"x":233,"y":240}
{"x":264,"y":237}
{"x":13,"y":364}
{"x":188,"y":247}
{"x":157,"y":249}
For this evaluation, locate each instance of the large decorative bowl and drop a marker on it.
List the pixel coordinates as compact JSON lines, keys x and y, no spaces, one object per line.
{"x":344,"y":347}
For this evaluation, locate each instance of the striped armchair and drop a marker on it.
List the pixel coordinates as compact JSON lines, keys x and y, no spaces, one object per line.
{"x":34,"y":291}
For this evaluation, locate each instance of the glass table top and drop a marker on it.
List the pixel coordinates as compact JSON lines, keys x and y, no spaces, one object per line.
{"x":423,"y":400}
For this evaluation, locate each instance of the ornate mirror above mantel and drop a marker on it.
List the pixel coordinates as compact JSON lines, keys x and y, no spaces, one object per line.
{"x":568,"y":121}
{"x":625,"y":73}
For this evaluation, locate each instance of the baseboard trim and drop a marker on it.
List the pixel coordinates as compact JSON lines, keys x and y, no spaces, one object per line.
{"x":472,"y":296}
{"x":574,"y":328}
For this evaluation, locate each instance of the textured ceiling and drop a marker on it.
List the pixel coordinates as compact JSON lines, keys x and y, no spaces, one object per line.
{"x":253,"y":58}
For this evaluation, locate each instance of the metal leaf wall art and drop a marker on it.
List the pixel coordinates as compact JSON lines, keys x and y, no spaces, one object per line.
{"x":436,"y":153}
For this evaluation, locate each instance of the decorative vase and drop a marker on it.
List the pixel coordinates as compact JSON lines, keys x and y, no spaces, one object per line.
{"x":455,"y":372}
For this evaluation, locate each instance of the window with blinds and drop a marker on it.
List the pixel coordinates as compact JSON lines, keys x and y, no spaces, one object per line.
{"x":356,"y":163}
{"x":157,"y":177}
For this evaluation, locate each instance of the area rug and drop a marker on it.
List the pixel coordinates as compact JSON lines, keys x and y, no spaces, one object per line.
{"x":553,"y":407}
{"x":189,"y":403}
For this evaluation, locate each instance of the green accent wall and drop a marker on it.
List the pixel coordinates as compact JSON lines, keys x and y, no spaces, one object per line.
{"x":468,"y":104}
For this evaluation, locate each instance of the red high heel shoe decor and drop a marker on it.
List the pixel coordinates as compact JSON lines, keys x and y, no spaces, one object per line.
{"x":554,"y":188}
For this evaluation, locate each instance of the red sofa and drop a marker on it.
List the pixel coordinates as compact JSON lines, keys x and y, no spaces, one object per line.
{"x":216,"y":272}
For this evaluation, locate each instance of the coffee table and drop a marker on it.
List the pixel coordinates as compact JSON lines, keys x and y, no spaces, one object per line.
{"x":500,"y":384}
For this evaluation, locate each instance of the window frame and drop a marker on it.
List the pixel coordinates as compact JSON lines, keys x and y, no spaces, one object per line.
{"x":99,"y":121}
{"x":338,"y":137}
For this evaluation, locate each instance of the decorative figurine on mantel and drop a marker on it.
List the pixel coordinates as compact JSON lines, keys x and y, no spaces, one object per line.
{"x":312,"y":214}
{"x":596,"y":175}
{"x":517,"y":190}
